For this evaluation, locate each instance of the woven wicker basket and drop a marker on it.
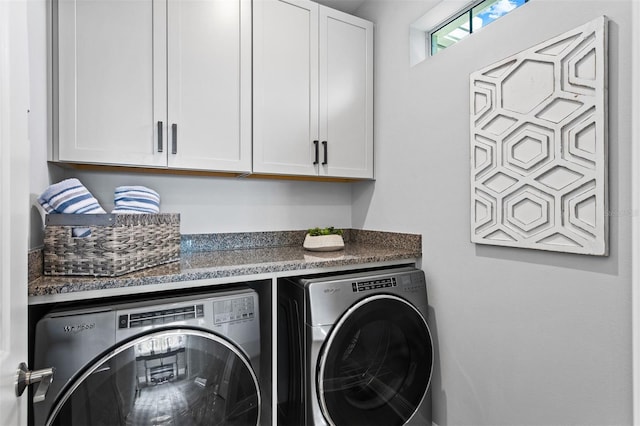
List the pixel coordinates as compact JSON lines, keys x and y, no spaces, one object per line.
{"x":117,"y":243}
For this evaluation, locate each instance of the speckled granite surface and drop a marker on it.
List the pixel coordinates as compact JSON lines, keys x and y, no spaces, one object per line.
{"x":35,"y":262}
{"x":246,"y":254}
{"x":243,"y":240}
{"x":248,"y":240}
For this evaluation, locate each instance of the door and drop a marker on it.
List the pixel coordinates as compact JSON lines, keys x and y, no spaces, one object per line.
{"x":285,"y":87}
{"x":178,"y":376}
{"x":346,"y":95}
{"x":111,"y":81}
{"x":14,"y":199}
{"x":375,"y":366}
{"x":209,"y":84}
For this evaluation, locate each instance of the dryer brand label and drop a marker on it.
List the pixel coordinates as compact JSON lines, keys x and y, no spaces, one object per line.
{"x":77,"y":328}
{"x":331,"y":290}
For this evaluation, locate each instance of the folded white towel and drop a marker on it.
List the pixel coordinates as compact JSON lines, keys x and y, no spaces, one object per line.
{"x":69,"y":196}
{"x":136,"y":199}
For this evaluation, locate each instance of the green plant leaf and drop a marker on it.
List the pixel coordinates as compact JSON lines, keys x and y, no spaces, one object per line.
{"x":314,"y":232}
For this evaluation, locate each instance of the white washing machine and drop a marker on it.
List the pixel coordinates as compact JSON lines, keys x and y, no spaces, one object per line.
{"x":354,"y":350}
{"x":189,"y":360}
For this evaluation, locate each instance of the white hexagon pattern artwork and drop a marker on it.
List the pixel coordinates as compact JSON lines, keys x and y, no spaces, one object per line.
{"x":539,"y":146}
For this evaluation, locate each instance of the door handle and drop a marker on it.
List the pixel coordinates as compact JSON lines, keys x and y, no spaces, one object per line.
{"x":324,"y":146}
{"x":26,"y":377}
{"x":102,"y":370}
{"x":159,"y":136}
{"x":174,"y":137}
{"x":317,"y":160}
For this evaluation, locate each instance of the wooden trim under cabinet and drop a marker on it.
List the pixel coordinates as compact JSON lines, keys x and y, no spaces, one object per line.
{"x":183,"y":172}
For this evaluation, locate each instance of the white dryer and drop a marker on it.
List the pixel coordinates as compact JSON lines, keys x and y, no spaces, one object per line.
{"x":355,"y":349}
{"x":189,"y":360}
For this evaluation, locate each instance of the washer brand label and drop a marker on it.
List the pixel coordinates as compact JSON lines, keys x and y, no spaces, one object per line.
{"x":77,"y":328}
{"x":331,"y":290}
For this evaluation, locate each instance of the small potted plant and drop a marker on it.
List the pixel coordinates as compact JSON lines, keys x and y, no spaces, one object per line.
{"x":324,"y":239}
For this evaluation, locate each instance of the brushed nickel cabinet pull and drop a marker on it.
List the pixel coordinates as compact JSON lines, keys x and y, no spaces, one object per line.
{"x":174,"y":138}
{"x":159,"y":136}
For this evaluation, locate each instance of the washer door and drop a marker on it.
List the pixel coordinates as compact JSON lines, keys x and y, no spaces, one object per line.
{"x":375,"y":367}
{"x":170,"y":377}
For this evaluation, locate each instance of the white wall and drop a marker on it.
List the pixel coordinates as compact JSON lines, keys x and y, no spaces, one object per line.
{"x":523,"y":337}
{"x":212,"y":205}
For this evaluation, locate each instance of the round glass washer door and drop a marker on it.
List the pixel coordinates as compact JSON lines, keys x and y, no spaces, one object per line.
{"x":170,"y":377}
{"x":375,"y":366}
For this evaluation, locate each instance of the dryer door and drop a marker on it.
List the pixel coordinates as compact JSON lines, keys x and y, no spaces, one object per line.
{"x":375,"y":366}
{"x":170,"y":377}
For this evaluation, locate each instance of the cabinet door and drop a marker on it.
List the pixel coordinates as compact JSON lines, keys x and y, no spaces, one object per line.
{"x":209,"y":83}
{"x":109,"y":93}
{"x":285,"y":86}
{"x":346,"y":95}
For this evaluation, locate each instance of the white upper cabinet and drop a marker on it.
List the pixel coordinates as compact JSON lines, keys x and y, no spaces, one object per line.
{"x":285,"y":89}
{"x":209,"y":90}
{"x":105,"y":79}
{"x":154,"y":83}
{"x":313,"y":91}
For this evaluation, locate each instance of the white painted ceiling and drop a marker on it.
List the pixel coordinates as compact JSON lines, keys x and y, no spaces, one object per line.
{"x":348,"y":6}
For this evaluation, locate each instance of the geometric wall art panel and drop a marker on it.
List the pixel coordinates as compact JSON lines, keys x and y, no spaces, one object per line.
{"x":539,"y":146}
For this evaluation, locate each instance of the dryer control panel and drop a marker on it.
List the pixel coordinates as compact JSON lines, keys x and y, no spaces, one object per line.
{"x":359,"y":286}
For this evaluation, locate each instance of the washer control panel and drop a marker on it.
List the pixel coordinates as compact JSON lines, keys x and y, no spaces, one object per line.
{"x":160,"y":316}
{"x":213,"y":311}
{"x":239,"y":308}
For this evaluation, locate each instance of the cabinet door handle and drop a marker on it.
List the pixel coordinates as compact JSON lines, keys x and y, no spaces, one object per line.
{"x":174,"y":138}
{"x":159,"y":136}
{"x":324,"y":146}
{"x":317,"y":160}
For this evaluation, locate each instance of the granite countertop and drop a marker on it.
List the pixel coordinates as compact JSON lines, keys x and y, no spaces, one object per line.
{"x":247,"y":255}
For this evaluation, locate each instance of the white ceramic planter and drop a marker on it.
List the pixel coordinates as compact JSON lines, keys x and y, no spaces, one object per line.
{"x":323,"y":242}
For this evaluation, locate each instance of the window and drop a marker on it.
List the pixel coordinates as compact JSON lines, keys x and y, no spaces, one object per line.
{"x":469,"y":21}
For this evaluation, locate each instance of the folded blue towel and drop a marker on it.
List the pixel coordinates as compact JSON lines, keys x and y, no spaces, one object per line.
{"x":136,"y":199}
{"x":69,"y":196}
